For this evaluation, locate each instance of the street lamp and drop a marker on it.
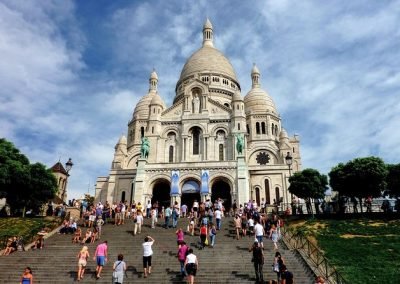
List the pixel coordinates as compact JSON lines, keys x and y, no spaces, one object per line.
{"x":68,"y":167}
{"x":289,"y":161}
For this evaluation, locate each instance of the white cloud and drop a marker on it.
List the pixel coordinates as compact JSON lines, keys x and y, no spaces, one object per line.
{"x":332,"y":71}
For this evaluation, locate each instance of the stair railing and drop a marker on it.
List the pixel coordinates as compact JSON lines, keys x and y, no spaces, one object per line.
{"x":312,"y":255}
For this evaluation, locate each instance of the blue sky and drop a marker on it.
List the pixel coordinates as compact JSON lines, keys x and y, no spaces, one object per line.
{"x":72,"y":72}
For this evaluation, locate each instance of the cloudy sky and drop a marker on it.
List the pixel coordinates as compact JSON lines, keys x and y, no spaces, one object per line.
{"x":72,"y":72}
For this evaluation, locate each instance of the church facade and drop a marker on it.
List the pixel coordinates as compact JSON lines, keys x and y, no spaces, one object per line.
{"x":193,"y":151}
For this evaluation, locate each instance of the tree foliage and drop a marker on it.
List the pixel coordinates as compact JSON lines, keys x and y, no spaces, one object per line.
{"x":359,"y":177}
{"x":393,"y":179}
{"x":24,"y":185}
{"x":308,"y":183}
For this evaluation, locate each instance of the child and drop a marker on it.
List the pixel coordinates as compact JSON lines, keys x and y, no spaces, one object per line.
{"x":94,"y":236}
{"x":87,"y":237}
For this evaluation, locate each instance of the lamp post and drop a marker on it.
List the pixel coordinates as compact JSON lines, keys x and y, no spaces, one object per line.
{"x":289,"y":162}
{"x":68,"y":167}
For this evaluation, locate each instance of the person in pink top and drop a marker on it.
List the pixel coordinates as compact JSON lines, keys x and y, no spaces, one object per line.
{"x":180,"y":237}
{"x":101,"y":257}
{"x":182,"y":251}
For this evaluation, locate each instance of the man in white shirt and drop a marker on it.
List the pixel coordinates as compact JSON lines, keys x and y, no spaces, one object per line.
{"x":259,"y":232}
{"x":147,"y":253}
{"x":218,"y":216}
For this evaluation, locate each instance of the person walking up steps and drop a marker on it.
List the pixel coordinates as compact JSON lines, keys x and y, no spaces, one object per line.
{"x":147,"y":254}
{"x":191,"y":266}
{"x":258,"y":261}
{"x":119,"y":268}
{"x":101,"y":257}
{"x":83,"y":256}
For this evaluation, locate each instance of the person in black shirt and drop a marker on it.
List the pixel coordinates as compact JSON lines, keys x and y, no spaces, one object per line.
{"x":258,"y":261}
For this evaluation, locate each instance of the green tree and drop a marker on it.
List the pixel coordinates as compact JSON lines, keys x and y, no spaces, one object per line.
{"x":24,"y":185}
{"x":308,"y":184}
{"x":359,"y":178}
{"x":393,"y":179}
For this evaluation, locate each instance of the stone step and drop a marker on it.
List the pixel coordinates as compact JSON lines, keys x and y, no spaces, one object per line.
{"x":228,"y":262}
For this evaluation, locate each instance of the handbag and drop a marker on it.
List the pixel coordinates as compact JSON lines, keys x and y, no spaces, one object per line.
{"x":206,"y":242}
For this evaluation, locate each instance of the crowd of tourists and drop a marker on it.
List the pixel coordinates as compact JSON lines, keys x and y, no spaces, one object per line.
{"x":204,"y":219}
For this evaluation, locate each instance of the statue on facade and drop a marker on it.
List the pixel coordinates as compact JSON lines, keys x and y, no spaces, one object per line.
{"x":145,"y":148}
{"x":196,"y":104}
{"x":239,"y":143}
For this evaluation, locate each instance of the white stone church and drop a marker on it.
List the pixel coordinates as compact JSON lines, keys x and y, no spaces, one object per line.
{"x":193,"y":153}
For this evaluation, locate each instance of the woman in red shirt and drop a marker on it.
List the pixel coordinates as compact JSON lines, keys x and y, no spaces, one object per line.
{"x":203,"y":236}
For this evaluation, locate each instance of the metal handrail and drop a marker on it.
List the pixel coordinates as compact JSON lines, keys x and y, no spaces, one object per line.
{"x":319,"y":263}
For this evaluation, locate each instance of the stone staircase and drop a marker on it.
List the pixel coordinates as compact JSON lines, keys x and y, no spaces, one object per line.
{"x":228,"y":262}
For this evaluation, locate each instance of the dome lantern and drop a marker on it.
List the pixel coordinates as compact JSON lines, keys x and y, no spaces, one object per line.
{"x":153,"y":81}
{"x":255,"y":76}
{"x":208,"y":34}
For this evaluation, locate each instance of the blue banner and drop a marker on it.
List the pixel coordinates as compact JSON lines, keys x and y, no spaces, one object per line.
{"x":174,"y":183}
{"x":204,"y":182}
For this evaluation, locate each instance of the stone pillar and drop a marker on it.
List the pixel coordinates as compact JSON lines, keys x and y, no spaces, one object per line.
{"x":243,"y":181}
{"x":139,"y":191}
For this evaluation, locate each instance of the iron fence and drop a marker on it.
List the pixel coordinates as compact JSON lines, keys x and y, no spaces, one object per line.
{"x":313,"y":256}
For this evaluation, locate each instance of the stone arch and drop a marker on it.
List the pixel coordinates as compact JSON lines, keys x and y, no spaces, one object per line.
{"x":221,"y":186}
{"x":189,"y":176}
{"x":274,"y":159}
{"x":169,"y":129}
{"x":217,"y":127}
{"x":132,"y":161}
{"x":160,"y":188}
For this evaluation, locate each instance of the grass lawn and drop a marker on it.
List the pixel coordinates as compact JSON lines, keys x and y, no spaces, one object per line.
{"x":363,"y":251}
{"x":25,"y":227}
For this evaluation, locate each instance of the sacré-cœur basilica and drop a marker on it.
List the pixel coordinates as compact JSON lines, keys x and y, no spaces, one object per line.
{"x":211,"y":143}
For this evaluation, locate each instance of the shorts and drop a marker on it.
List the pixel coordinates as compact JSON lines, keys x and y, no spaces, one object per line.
{"x":82,"y":262}
{"x":244,"y":226}
{"x":259,"y":239}
{"x":191,"y":269}
{"x":92,"y":218}
{"x":101,"y":260}
{"x":146,"y":261}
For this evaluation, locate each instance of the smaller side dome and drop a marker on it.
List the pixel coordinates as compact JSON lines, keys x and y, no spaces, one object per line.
{"x":157,"y":100}
{"x":122,"y":140}
{"x":237,"y":97}
{"x":257,"y":100}
{"x":283,"y":134}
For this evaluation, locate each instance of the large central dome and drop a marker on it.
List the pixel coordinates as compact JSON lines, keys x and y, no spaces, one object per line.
{"x":208,"y":60}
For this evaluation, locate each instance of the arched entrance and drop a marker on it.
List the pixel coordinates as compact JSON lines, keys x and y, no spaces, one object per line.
{"x":161,"y":193}
{"x":221,"y":189}
{"x":190,"y":193}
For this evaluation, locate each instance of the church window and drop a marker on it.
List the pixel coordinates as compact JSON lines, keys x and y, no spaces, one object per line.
{"x":238,"y":126}
{"x":221,"y":152}
{"x":263,"y":127}
{"x":152,"y":129}
{"x":267,"y":195}
{"x":154,"y":110}
{"x":258,"y":195}
{"x":123,"y":196}
{"x":248,"y":129}
{"x":272,"y":129}
{"x":276,"y":129}
{"x":196,"y":140}
{"x":141,"y":132}
{"x":257,"y":127}
{"x":277,"y":195}
{"x":237,"y":106}
{"x":171,"y":154}
{"x":226,"y":104}
{"x":293,"y":149}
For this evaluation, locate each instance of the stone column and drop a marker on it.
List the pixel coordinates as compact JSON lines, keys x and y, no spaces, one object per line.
{"x":243,"y":181}
{"x":140,"y":181}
